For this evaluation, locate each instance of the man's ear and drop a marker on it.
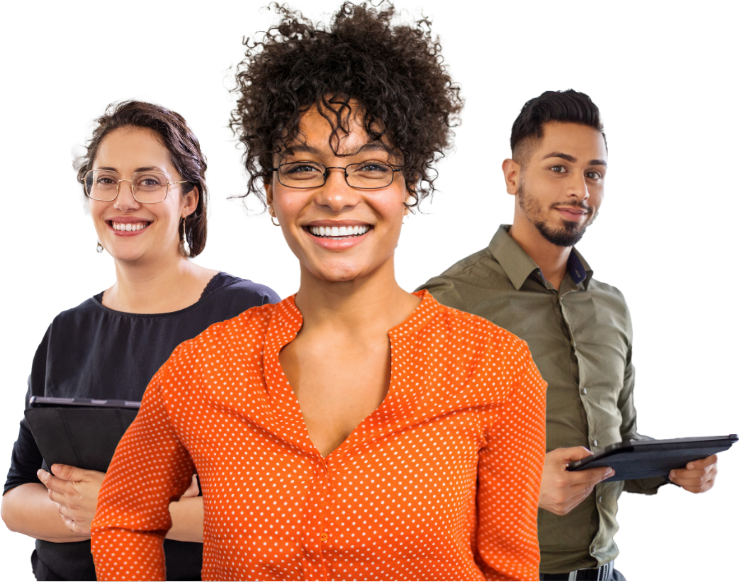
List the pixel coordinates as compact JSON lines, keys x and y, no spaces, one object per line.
{"x":512,"y":175}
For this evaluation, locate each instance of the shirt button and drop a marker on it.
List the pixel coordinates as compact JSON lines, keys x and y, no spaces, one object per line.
{"x":574,"y":345}
{"x":584,"y":391}
{"x":595,"y":442}
{"x":324,"y":537}
{"x":600,"y":499}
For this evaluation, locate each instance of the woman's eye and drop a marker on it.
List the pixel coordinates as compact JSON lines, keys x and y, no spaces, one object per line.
{"x":299,"y":168}
{"x":372,"y":167}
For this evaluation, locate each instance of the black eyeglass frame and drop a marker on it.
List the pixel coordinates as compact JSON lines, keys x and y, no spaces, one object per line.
{"x":133,"y":187}
{"x":326,"y":172}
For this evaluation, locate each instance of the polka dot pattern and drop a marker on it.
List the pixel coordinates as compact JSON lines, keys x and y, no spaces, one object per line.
{"x":440,"y":482}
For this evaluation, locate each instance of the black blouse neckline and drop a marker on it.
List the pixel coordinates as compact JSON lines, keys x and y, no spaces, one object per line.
{"x":217,"y":281}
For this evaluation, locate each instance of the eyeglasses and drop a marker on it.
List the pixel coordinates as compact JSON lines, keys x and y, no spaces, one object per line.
{"x":363,"y":175}
{"x":146,"y":187}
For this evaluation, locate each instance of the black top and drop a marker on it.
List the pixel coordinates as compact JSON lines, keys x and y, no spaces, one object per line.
{"x":94,"y":352}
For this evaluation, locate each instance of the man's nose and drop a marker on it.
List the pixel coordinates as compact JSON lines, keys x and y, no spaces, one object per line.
{"x":578,"y":187}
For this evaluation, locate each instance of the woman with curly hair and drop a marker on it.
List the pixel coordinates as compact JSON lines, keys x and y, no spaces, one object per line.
{"x":354,"y":430}
{"x":143,"y":177}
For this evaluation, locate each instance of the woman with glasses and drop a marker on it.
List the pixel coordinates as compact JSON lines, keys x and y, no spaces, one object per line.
{"x":354,"y":430}
{"x":144,"y":177}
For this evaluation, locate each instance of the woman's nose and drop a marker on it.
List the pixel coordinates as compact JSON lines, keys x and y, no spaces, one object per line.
{"x":125,"y":199}
{"x":336,"y":194}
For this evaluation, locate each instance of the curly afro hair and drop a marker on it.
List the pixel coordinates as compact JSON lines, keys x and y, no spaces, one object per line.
{"x":395,"y":73}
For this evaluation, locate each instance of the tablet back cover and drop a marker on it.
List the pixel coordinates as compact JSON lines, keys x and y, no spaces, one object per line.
{"x":654,"y":458}
{"x":81,"y":437}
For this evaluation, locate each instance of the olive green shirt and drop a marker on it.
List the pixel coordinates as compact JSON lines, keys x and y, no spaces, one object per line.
{"x":580,"y":337}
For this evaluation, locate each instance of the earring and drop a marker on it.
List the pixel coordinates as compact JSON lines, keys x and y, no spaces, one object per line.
{"x":272,"y":216}
{"x":99,"y":247}
{"x":184,"y":246}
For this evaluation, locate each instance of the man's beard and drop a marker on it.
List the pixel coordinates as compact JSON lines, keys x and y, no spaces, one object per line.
{"x":566,"y":236}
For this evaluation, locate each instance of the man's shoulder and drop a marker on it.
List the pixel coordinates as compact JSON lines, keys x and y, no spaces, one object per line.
{"x":478,"y":270}
{"x":607,"y":292}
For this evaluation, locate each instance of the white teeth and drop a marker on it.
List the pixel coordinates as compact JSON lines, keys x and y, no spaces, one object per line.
{"x":129,"y":227}
{"x":338,"y":232}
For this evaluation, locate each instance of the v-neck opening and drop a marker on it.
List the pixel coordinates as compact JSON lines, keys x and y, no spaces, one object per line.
{"x":416,"y":319}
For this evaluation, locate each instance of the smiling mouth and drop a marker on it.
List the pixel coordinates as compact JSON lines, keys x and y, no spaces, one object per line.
{"x":128,"y":226}
{"x":574,"y":209}
{"x":337,"y":232}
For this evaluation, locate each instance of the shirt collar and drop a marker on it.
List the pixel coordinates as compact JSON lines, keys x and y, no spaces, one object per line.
{"x":518,"y":265}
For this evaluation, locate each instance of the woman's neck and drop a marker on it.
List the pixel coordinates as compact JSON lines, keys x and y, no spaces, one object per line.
{"x":372,"y":304}
{"x":160,"y":287}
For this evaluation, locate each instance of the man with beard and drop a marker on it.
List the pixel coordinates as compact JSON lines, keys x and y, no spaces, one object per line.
{"x":531,"y":281}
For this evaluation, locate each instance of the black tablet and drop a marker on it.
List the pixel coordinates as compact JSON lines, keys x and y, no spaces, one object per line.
{"x":653,"y":458}
{"x":77,"y":431}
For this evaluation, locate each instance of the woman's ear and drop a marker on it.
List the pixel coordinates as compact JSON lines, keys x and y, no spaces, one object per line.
{"x":410,"y":198}
{"x":190,"y":202}
{"x":268,"y":192}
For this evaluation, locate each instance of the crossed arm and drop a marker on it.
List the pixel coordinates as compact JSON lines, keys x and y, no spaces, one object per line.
{"x":60,"y":508}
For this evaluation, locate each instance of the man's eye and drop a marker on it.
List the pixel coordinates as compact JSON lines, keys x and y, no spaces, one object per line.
{"x":593,"y":175}
{"x":558,"y":169}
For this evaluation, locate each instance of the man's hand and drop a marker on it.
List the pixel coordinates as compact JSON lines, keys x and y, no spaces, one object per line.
{"x":698,"y":476}
{"x":562,"y":490}
{"x":75,"y":491}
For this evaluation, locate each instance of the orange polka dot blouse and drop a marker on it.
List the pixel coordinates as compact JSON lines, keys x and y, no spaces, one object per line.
{"x":440,"y":482}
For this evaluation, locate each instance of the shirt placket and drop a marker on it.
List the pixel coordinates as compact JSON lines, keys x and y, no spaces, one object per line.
{"x":594,"y":444}
{"x":315,"y":522}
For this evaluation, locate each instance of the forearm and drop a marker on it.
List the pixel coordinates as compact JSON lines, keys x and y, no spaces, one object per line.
{"x":149,"y":469}
{"x":27,"y":509}
{"x":187,"y":520}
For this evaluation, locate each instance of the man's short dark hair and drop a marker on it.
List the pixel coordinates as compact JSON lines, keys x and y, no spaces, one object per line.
{"x":393,"y":73}
{"x":568,"y":106}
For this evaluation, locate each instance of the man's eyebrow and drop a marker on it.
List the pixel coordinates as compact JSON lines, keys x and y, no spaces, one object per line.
{"x":573,"y":159}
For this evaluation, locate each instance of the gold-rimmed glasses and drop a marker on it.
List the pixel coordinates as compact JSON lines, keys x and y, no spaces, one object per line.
{"x":147,"y":187}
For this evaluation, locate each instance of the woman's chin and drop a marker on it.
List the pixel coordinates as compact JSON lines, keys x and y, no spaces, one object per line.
{"x":125,"y":255}
{"x":343,"y":271}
